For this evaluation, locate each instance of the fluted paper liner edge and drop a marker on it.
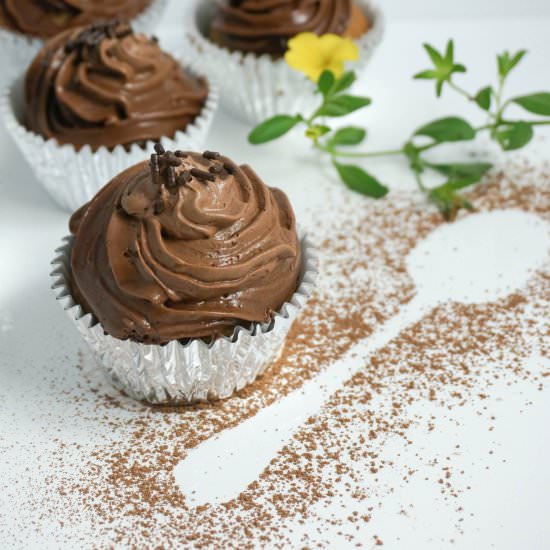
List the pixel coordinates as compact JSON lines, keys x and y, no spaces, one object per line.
{"x":73,"y":177}
{"x":184,"y":373}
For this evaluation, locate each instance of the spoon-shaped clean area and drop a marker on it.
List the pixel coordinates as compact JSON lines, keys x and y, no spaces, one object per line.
{"x":480,"y":258}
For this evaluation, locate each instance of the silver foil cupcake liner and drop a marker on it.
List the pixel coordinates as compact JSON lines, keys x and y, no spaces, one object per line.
{"x":18,"y":50}
{"x":73,"y":177}
{"x":194,"y":371}
{"x":254,"y":87}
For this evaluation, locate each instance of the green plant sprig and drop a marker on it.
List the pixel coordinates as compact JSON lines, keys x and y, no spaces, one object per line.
{"x":336,"y":102}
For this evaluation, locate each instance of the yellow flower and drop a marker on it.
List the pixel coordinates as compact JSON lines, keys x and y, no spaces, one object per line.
{"x":312,"y":54}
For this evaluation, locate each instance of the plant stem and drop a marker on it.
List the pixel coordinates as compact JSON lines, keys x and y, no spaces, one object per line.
{"x":484,"y":127}
{"x":336,"y":153}
{"x":498,"y":100}
{"x":460,"y":90}
{"x":419,"y":182}
{"x":531,"y":122}
{"x":428,"y":146}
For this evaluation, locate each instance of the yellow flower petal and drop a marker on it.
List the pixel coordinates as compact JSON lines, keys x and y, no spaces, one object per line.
{"x":342,"y":50}
{"x":312,"y":54}
{"x":304,"y":54}
{"x":304,"y":40}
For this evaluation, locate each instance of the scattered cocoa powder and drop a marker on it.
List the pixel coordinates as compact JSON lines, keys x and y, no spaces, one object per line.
{"x":124,"y":488}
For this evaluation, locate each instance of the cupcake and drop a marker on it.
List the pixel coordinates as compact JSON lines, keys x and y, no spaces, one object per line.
{"x":243,"y":41}
{"x":91,"y":101}
{"x":25,"y":24}
{"x":184,"y":274}
{"x":265,"y":27}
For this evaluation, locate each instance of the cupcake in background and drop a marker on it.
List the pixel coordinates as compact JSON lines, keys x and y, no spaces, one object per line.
{"x":243,"y":41}
{"x":184,"y":275}
{"x":44,"y":18}
{"x":261,"y":27}
{"x":104,"y":85}
{"x":25,"y":24}
{"x":93,"y":99}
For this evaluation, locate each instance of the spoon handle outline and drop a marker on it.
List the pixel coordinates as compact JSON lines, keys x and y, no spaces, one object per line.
{"x":221,"y":467}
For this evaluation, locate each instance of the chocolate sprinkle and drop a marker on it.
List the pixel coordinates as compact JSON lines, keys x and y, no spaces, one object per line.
{"x":171,"y":172}
{"x":211,"y":155}
{"x":155,"y":169}
{"x":229,"y":168}
{"x":172,"y":159}
{"x":163,"y":165}
{"x":202,"y":175}
{"x":184,"y":177}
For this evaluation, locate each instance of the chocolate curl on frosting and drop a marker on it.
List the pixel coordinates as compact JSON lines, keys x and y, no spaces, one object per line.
{"x":87,"y":43}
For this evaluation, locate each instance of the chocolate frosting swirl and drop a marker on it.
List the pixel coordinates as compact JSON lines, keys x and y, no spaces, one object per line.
{"x":46,"y":18}
{"x":264,"y":26}
{"x":187,"y":245}
{"x":104,"y":85}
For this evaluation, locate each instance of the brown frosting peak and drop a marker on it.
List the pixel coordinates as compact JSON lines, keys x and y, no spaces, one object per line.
{"x":185,"y":245}
{"x":264,"y":26}
{"x":104,"y":85}
{"x":46,"y":18}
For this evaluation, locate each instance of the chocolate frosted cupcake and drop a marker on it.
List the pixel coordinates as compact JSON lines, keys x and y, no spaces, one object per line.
{"x":264,"y":26}
{"x":184,"y":275}
{"x":24,"y":24}
{"x":94,"y":97}
{"x":46,"y":18}
{"x":104,"y":85}
{"x":242,"y":41}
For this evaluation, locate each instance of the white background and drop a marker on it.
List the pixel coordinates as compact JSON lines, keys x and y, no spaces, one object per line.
{"x":511,"y":503}
{"x":464,"y":8}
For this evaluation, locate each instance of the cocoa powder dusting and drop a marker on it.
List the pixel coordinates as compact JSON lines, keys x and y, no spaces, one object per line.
{"x":124,"y":488}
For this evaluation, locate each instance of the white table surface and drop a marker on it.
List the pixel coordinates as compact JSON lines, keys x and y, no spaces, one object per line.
{"x":510,"y":506}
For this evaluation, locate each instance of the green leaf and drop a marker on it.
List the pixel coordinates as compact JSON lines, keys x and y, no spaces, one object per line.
{"x":483,"y":98}
{"x":317,"y":131}
{"x":428,"y":74}
{"x":435,"y":56}
{"x":344,"y":82}
{"x":506,"y":62}
{"x":273,"y":128}
{"x":348,"y":136}
{"x":329,"y":86}
{"x":326,"y":82}
{"x":514,"y":136}
{"x":447,"y":129}
{"x":463,"y":170}
{"x":538,"y":104}
{"x":342,"y":105}
{"x":444,"y":66}
{"x":360,"y":181}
